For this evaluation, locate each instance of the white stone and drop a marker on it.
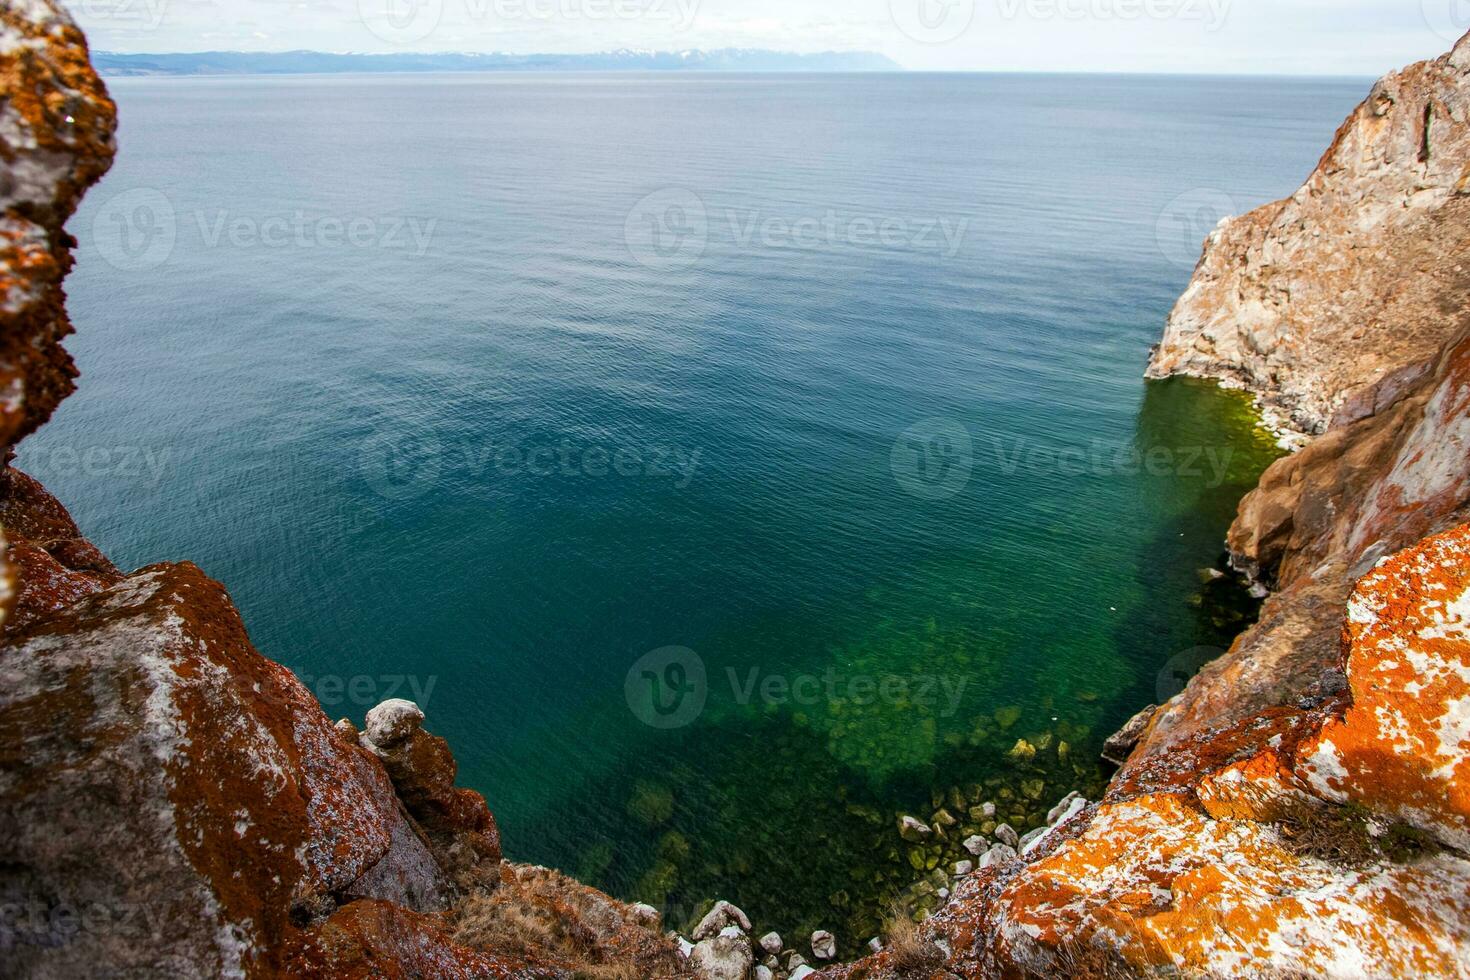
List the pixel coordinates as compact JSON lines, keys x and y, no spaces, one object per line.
{"x":392,"y":721}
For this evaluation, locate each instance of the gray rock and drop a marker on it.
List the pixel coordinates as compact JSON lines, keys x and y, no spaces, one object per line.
{"x":824,"y":945}
{"x":722,"y":915}
{"x":802,"y":972}
{"x":793,"y":961}
{"x":1032,"y":837}
{"x":1007,"y":835}
{"x":875,"y":945}
{"x":392,"y":721}
{"x":763,"y":972}
{"x":727,"y":956}
{"x":1055,"y":813}
{"x":988,"y":809}
{"x":999,"y":854}
{"x":976,"y":845}
{"x":963,"y":868}
{"x":771,"y":943}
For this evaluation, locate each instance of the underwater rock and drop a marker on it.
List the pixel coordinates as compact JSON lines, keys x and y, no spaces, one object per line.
{"x":962,"y":868}
{"x":763,"y":972}
{"x":1033,"y":789}
{"x":824,"y":945}
{"x":1022,"y":751}
{"x":914,"y":830}
{"x":1008,"y":716}
{"x":771,"y":943}
{"x":1006,"y":835}
{"x":976,"y":845}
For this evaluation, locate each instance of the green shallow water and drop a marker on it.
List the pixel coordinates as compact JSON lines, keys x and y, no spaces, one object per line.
{"x":911,"y":491}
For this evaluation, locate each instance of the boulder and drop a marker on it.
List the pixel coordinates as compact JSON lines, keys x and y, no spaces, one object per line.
{"x":726,"y":956}
{"x":722,"y":916}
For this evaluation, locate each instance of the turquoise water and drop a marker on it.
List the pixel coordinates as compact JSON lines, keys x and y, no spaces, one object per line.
{"x":726,"y":463}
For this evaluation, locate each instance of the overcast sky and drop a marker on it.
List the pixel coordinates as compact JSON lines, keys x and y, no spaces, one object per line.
{"x":1354,"y":37}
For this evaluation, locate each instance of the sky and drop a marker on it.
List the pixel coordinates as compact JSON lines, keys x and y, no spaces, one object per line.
{"x":1297,"y":37}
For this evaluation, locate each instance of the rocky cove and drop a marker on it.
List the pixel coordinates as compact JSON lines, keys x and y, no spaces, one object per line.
{"x":177,"y":804}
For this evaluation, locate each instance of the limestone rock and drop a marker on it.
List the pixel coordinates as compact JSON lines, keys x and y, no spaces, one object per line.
{"x":391,"y":722}
{"x":771,"y":944}
{"x":1007,"y":835}
{"x":1330,"y":303}
{"x":722,"y":916}
{"x":824,"y":945}
{"x":976,"y":845}
{"x":726,"y":956}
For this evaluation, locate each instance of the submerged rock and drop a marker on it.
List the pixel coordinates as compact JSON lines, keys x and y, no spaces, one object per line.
{"x":914,"y":830}
{"x":824,"y":945}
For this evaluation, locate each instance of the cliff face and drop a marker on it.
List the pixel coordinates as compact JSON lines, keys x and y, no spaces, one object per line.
{"x":1329,"y":304}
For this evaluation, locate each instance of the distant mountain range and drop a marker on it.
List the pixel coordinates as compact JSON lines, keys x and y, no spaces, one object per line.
{"x":319,"y":62}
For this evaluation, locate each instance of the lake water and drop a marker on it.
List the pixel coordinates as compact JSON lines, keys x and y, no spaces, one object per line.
{"x":726,"y":463}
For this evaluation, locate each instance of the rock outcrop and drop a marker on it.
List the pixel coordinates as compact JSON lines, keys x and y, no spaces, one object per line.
{"x":1329,"y":304}
{"x":1326,"y":842}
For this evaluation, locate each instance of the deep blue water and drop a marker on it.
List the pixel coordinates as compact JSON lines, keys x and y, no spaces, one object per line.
{"x":488,"y":390}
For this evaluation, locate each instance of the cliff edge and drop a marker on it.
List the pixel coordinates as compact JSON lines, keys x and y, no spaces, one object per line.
{"x":1327,"y":305}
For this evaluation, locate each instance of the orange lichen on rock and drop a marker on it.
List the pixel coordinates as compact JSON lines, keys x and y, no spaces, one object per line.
{"x":1404,"y":744}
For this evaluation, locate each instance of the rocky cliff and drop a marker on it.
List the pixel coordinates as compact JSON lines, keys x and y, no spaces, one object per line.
{"x":1329,"y":304}
{"x":1301,"y":808}
{"x":175,"y":804}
